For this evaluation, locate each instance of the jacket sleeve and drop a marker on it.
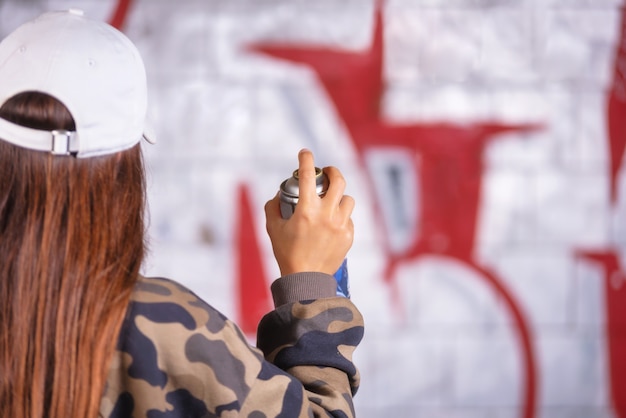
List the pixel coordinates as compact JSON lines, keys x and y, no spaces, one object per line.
{"x":311,"y":335}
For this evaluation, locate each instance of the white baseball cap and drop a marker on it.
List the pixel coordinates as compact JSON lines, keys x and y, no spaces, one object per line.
{"x":90,"y":67}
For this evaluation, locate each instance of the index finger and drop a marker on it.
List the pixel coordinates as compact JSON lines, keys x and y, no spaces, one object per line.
{"x":306,"y":177}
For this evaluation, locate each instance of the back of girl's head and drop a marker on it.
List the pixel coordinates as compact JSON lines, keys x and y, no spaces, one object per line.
{"x":108,"y":191}
{"x":72,"y":196}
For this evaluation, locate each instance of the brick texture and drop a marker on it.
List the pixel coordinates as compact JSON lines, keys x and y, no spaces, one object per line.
{"x":442,"y":337}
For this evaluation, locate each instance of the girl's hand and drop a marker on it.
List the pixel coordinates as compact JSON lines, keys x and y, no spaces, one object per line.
{"x":317,"y":237}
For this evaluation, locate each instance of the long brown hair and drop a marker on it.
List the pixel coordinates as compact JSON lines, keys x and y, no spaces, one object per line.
{"x":71,"y":246}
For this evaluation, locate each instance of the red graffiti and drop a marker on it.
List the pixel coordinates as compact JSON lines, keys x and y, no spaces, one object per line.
{"x":448,"y":168}
{"x":614,"y":274}
{"x":616,"y":110}
{"x":615,"y":293}
{"x":118,"y":18}
{"x":449,"y":172}
{"x":253,"y":298}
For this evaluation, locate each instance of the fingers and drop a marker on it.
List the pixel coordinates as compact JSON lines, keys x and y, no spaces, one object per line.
{"x":272,"y":213}
{"x":334,"y":197}
{"x":346,"y":206}
{"x":272,"y":207}
{"x":336,"y":186}
{"x":306,"y":177}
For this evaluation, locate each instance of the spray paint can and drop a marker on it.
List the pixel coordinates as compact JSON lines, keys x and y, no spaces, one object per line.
{"x":288,"y":195}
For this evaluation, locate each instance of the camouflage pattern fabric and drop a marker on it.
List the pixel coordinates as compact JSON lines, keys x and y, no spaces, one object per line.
{"x":179,"y":357}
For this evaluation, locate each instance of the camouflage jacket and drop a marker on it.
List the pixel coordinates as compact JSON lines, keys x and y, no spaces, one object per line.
{"x":179,"y":357}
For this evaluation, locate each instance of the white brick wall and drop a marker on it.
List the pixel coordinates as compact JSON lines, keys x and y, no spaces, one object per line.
{"x":449,"y":348}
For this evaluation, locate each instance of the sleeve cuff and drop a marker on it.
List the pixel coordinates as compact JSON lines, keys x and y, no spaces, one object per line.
{"x":303,"y":286}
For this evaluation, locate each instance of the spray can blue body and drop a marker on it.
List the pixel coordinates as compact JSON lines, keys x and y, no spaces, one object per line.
{"x":288,"y":194}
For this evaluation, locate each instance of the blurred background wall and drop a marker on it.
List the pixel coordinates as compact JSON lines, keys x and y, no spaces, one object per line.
{"x":483,"y":142}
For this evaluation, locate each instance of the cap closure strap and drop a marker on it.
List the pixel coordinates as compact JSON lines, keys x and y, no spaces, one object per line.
{"x":64,"y":142}
{"x":57,"y":142}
